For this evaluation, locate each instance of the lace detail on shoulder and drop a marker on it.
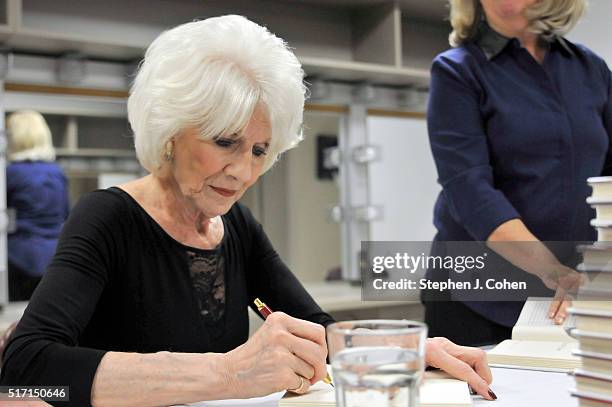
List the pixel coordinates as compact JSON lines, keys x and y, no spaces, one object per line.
{"x":208,"y":277}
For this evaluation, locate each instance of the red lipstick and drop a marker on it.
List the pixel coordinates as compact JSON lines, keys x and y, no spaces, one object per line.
{"x":223,"y":191}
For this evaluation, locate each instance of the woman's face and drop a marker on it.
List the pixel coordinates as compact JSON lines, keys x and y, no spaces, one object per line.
{"x":214,"y":173}
{"x":507,"y":16}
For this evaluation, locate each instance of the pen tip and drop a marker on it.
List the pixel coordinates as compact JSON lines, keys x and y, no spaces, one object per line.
{"x":327,"y":379}
{"x":493,"y":396}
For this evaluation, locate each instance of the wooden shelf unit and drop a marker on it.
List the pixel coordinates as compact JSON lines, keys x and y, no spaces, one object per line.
{"x":376,"y":41}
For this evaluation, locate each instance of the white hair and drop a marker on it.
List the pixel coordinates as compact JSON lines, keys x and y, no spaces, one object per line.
{"x":211,"y":75}
{"x":29,"y":137}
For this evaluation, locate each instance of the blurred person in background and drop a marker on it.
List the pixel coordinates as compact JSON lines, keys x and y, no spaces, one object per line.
{"x":37,"y":191}
{"x":519,"y":117}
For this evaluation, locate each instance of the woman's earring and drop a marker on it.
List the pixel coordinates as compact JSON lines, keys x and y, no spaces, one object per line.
{"x":169,"y":153}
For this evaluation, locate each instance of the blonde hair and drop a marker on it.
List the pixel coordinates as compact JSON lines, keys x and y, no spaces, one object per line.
{"x":211,"y":75}
{"x":547,"y":18}
{"x":29,"y":137}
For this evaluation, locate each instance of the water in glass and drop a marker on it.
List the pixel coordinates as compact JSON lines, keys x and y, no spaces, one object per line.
{"x":379,"y":376}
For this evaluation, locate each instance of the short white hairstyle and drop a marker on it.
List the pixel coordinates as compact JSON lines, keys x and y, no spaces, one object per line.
{"x":211,"y":75}
{"x":29,"y":137}
{"x":547,"y":18}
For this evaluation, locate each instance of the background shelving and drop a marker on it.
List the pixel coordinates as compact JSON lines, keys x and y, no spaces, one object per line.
{"x":364,"y":40}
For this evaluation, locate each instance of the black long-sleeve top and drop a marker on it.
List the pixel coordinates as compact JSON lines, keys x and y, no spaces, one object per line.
{"x":119,"y":282}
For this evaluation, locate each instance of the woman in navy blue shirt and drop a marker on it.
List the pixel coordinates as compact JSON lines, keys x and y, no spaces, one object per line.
{"x":519,"y":118}
{"x":37,"y":190}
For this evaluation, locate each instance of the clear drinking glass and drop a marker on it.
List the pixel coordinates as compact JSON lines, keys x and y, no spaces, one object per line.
{"x":377,"y":362}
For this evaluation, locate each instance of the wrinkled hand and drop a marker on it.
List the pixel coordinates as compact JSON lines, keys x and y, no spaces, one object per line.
{"x":465,"y":363}
{"x":282,"y":352}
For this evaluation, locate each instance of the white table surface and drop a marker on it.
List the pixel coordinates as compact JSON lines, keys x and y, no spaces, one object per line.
{"x":527,"y":388}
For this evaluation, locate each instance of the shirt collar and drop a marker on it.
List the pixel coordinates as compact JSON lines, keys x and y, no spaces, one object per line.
{"x":492,"y":43}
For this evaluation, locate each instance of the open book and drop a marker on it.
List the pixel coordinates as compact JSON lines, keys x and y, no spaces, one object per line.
{"x":437,"y":390}
{"x":537,"y":342}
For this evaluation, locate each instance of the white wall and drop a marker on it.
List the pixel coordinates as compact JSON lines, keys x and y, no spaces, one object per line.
{"x":594,"y":29}
{"x":404,"y":181}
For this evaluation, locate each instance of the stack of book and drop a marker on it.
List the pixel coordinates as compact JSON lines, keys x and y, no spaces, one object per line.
{"x":593,"y":308}
{"x":601,"y":200}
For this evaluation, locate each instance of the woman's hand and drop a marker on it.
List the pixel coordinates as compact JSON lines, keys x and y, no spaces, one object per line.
{"x":557,"y":311}
{"x":528,"y":253}
{"x":465,"y":363}
{"x":285,"y":353}
{"x":566,"y":282}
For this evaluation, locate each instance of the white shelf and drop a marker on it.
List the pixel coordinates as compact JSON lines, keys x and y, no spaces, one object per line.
{"x":61,"y":104}
{"x":363,"y":71}
{"x":95,"y":152}
{"x":328,"y":68}
{"x":55,"y":42}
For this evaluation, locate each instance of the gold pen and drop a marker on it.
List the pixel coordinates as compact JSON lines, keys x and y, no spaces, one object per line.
{"x":265,"y":311}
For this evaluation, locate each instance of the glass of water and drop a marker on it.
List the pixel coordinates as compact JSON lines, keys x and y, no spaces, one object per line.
{"x":377,"y":362}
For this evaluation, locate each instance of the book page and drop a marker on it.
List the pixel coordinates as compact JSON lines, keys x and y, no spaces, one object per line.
{"x":534,"y":325}
{"x":444,"y":392}
{"x":270,"y":399}
{"x":540,"y":349}
{"x":319,"y":394}
{"x":542,"y":354}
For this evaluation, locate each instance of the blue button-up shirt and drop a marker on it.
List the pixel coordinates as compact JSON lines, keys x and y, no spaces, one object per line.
{"x":513,"y":138}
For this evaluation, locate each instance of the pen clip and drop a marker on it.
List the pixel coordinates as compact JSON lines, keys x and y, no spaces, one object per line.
{"x":259,"y":304}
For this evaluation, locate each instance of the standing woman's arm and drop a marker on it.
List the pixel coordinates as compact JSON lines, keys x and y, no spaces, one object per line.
{"x":461,"y":152}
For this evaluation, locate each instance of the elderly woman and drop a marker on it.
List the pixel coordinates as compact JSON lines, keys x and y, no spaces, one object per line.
{"x":37,"y":191}
{"x":519,"y":118}
{"x":145,"y":302}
